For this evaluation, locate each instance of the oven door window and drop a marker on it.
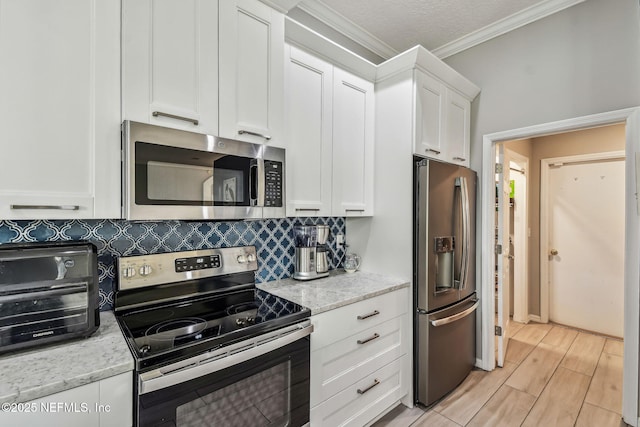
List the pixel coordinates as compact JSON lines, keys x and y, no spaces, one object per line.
{"x":178,"y":176}
{"x":269,"y":390}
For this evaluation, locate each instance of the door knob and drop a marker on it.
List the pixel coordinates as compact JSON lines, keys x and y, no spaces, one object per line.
{"x":553,"y":252}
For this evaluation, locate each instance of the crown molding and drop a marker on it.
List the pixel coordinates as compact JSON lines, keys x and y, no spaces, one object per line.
{"x":282,"y":6}
{"x":328,"y":16}
{"x":301,"y":36}
{"x":498,"y":28}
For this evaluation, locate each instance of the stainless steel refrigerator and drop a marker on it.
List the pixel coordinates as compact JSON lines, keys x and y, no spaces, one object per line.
{"x":444,"y":277}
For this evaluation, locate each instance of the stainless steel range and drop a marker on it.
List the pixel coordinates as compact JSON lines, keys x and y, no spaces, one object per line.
{"x":210,"y":348}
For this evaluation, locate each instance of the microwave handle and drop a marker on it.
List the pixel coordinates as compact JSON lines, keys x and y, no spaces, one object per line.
{"x":257,"y":183}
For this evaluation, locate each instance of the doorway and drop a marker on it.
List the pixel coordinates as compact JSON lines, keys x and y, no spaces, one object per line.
{"x":631,"y":119}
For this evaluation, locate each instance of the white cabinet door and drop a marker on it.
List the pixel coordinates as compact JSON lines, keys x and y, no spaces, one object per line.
{"x":60,"y":109}
{"x":458,"y":118}
{"x":353,"y":141}
{"x":105,"y":403}
{"x":308,"y":94}
{"x":170,"y":63}
{"x":429,"y":116}
{"x":251,"y":72}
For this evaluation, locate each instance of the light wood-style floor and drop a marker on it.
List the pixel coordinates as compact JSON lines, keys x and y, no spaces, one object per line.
{"x":553,"y":376}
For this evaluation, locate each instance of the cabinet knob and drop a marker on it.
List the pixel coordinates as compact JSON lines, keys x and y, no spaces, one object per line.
{"x":553,"y":252}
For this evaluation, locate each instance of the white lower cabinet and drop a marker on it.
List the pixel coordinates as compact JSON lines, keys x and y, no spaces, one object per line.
{"x":359,"y":360}
{"x":105,"y":403}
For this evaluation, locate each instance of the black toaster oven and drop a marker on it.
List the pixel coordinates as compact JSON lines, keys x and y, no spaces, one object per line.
{"x":48,"y":293}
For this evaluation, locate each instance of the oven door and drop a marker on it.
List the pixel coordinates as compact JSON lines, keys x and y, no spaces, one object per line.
{"x":261,"y":381}
{"x":173,"y":174}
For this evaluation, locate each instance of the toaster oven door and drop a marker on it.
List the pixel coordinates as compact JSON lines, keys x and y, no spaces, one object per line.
{"x":47,"y":294}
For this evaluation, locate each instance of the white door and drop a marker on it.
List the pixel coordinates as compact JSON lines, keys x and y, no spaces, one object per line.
{"x":502,"y":256}
{"x":586,"y":245}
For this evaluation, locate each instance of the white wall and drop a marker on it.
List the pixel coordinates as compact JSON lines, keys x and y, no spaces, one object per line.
{"x":583,"y":60}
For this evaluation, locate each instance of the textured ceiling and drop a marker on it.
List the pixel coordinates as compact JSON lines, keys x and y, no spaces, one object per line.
{"x":403,"y":24}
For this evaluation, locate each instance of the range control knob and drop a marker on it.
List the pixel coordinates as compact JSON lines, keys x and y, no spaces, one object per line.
{"x":145,"y":270}
{"x":251,"y":258}
{"x":128,"y":272}
{"x":242,"y":259}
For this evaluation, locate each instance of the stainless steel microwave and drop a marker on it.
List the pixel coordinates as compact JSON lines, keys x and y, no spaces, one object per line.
{"x":173,"y":174}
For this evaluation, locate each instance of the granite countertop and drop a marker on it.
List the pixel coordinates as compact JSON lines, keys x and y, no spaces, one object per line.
{"x":337,"y":290}
{"x":41,"y":371}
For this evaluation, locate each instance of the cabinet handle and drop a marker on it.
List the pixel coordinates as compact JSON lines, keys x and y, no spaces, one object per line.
{"x":354,"y":210}
{"x":308,"y":209}
{"x":366,"y":316}
{"x":242,"y":132}
{"x":375,"y":383}
{"x":172,"y":116}
{"x":49,"y":207}
{"x":462,"y":159}
{"x":373,"y":337}
{"x":431,"y":150}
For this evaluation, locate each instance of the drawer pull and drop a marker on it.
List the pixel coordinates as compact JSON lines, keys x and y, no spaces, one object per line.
{"x":173,"y":116}
{"x":431,"y":150}
{"x":49,"y":207}
{"x":366,"y":316}
{"x":375,"y":383}
{"x":369,"y":339}
{"x":242,"y":132}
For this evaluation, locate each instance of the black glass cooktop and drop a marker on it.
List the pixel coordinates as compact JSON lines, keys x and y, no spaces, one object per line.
{"x":164,"y":334}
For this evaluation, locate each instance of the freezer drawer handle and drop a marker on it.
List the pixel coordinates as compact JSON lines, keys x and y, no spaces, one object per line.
{"x":457,"y":316}
{"x":366,"y":316}
{"x":369,"y":339}
{"x":375,"y":383}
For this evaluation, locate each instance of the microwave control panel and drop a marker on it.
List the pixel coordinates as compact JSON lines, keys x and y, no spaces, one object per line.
{"x":273,"y":184}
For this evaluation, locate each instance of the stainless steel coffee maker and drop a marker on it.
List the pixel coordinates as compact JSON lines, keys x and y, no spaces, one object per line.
{"x":312,"y":252}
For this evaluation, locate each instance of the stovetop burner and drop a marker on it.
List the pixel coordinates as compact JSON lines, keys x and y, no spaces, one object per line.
{"x":160,"y":334}
{"x":182,"y":313}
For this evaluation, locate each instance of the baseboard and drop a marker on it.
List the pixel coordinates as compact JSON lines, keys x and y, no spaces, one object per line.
{"x":534,"y":318}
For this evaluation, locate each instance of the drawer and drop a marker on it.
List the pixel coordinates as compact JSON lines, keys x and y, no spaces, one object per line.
{"x":341,"y":364}
{"x":364,"y":400}
{"x":334,"y":325}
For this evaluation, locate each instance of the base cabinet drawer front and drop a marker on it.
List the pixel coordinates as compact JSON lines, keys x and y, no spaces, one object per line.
{"x":334,"y":325}
{"x":363,"y":401}
{"x":339,"y":365}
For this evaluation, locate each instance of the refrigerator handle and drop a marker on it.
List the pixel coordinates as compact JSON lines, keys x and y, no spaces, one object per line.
{"x":461,"y":182}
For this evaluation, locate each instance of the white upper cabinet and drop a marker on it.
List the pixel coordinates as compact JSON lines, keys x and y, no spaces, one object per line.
{"x":308,"y":94}
{"x":430,"y":113}
{"x":353,"y":126}
{"x":60,"y":109}
{"x":251,"y":72}
{"x":170,"y":63}
{"x":330,"y":138}
{"x":457,"y":128}
{"x":442,"y":121}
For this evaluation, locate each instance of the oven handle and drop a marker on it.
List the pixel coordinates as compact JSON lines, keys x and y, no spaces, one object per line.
{"x":162,"y":378}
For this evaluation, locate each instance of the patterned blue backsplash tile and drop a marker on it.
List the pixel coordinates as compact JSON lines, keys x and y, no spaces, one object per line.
{"x":273,"y":239}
